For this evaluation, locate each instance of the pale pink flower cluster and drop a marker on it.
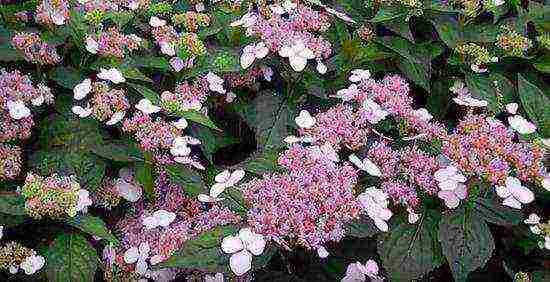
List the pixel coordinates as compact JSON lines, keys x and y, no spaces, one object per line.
{"x":309,"y":205}
{"x":10,"y":161}
{"x":152,"y":134}
{"x":111,"y":5}
{"x":158,"y":243}
{"x":112,"y":43}
{"x":186,"y":96}
{"x":34,"y":49}
{"x":485,"y":147}
{"x":17,"y":94}
{"x":104,"y":103}
{"x":53,"y":12}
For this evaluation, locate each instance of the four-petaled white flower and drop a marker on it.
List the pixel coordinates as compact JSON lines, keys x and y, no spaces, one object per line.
{"x":126,"y":186}
{"x":252,"y":52}
{"x":223,"y":180}
{"x":161,"y":218}
{"x":304,"y":119}
{"x":82,"y":89}
{"x":521,"y":125}
{"x":115,"y":118}
{"x":514,"y":194}
{"x":451,"y":185}
{"x":91,"y":45}
{"x":18,"y":110}
{"x":358,"y":272}
{"x":413,"y":217}
{"x":32,"y":264}
{"x":147,"y":107}
{"x":533,"y":221}
{"x":374,"y":113}
{"x":512,"y":108}
{"x":180,"y":123}
{"x":325,"y":151}
{"x":247,"y":20}
{"x":156,"y":22}
{"x":84,"y":200}
{"x":112,"y":75}
{"x":215,"y":83}
{"x":297,"y":54}
{"x":359,"y":75}
{"x":347,"y":94}
{"x":365,"y":165}
{"x":291,"y":139}
{"x":180,"y":147}
{"x":139,"y":256}
{"x":241,"y":248}
{"x":286,"y":7}
{"x":375,"y":202}
{"x":82,"y":112}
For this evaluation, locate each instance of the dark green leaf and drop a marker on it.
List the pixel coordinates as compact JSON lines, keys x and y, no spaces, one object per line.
{"x":71,"y":258}
{"x":93,"y":226}
{"x":67,"y":77}
{"x":408,"y":251}
{"x":543,"y":63}
{"x":496,"y":213}
{"x":362,"y":228}
{"x":466,"y":242}
{"x":146,"y":93}
{"x":189,"y":179}
{"x":118,"y":150}
{"x":388,"y":13}
{"x":144,"y":176}
{"x":535,"y":102}
{"x":12,"y":204}
{"x":484,"y":87}
{"x":211,"y":141}
{"x":261,"y":162}
{"x":448,"y":29}
{"x":197,"y":117}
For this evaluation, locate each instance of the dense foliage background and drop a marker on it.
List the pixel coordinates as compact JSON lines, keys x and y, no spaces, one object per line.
{"x":119,"y":117}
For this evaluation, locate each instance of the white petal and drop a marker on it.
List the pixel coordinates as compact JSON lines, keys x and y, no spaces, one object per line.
{"x":503,"y":191}
{"x":247,"y":58}
{"x":112,"y":74}
{"x":156,"y":22}
{"x":261,"y":50}
{"x":206,"y":198}
{"x":521,"y":125}
{"x":167,"y":48}
{"x":371,"y":168}
{"x":321,"y":68}
{"x":91,"y":45}
{"x":512,"y":202}
{"x":82,"y":112}
{"x":150,"y":222}
{"x":141,"y":267}
{"x":18,"y":110}
{"x":144,"y":250}
{"x":164,"y":217}
{"x":255,"y":243}
{"x":297,"y":63}
{"x":82,"y":89}
{"x":181,"y":123}
{"x":285,"y":51}
{"x":532,"y":219}
{"x":146,"y":107}
{"x":156,"y":259}
{"x":522,"y":194}
{"x":131,"y":255}
{"x":223,"y":176}
{"x":512,"y":108}
{"x":118,"y":116}
{"x":381,"y":224}
{"x":235,"y":177}
{"x":305,"y":120}
{"x":128,"y":191}
{"x":322,"y":252}
{"x":231,"y":244}
{"x":449,"y":198}
{"x":241,"y":262}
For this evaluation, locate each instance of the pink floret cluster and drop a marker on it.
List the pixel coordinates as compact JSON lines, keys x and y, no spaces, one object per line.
{"x":10,"y":161}
{"x":151,"y":134}
{"x":186,"y":96}
{"x":308,"y":205}
{"x":113,"y":43}
{"x":34,"y":49}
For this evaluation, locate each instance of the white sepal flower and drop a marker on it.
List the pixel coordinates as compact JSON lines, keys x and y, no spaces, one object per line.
{"x":247,"y":20}
{"x":161,"y":218}
{"x":126,"y":186}
{"x":469,"y":101}
{"x":147,"y":107}
{"x":375,"y":203}
{"x":112,"y":74}
{"x":412,"y":216}
{"x":82,"y":112}
{"x":357,"y":272}
{"x":139,"y":256}
{"x":291,"y":139}
{"x":180,"y":147}
{"x":325,"y":151}
{"x":156,"y":22}
{"x":359,"y":75}
{"x":226,"y":179}
{"x":533,"y":221}
{"x":514,"y":194}
{"x":512,"y":108}
{"x":374,"y":113}
{"x":521,"y":125}
{"x":180,"y":123}
{"x":167,"y":48}
{"x":218,"y":277}
{"x":32,"y":264}
{"x":252,"y":52}
{"x":347,"y":94}
{"x":321,"y":68}
{"x":451,"y":185}
{"x":297,"y":54}
{"x":423,"y":114}
{"x":84,"y":201}
{"x":215,"y":83}
{"x":305,"y":120}
{"x":241,"y":248}
{"x":18,"y":110}
{"x":91,"y":45}
{"x":82,"y":89}
{"x":365,"y":165}
{"x":115,"y":118}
